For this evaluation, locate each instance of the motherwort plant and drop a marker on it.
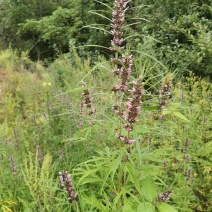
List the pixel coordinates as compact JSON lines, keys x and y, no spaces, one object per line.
{"x":118,"y":179}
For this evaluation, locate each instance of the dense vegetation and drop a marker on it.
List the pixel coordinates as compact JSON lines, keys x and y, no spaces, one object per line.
{"x":99,"y":120}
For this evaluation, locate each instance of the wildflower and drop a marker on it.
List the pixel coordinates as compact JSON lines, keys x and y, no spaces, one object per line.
{"x":118,"y":18}
{"x":65,"y":180}
{"x":86,"y":102}
{"x":186,"y":145}
{"x":126,"y":139}
{"x":187,"y":158}
{"x":164,"y":197}
{"x":133,"y":105}
{"x":188,"y":174}
{"x":124,"y":72}
{"x":47,"y":84}
{"x":123,"y":69}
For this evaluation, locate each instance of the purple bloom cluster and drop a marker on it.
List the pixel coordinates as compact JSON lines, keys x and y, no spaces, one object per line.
{"x":164,"y":197}
{"x":188,"y":174}
{"x":186,"y":155}
{"x":65,"y":180}
{"x":164,"y":94}
{"x":186,"y":145}
{"x":118,"y":18}
{"x":133,"y":105}
{"x":133,"y":110}
{"x":12,"y":164}
{"x":124,"y":73}
{"x":86,"y":102}
{"x":187,"y":158}
{"x":126,"y":139}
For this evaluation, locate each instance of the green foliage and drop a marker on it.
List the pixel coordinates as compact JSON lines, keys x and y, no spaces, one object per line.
{"x":57,"y":29}
{"x":40,"y":181}
{"x":183,"y":30}
{"x":163,"y":207}
{"x":44,"y":130}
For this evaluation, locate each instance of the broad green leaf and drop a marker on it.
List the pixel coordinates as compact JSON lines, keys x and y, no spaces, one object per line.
{"x":181,"y":116}
{"x":164,"y":207}
{"x":146,"y":206}
{"x":149,"y":189}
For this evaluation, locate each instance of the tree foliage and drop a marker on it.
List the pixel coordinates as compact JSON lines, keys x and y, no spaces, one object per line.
{"x":45,"y":27}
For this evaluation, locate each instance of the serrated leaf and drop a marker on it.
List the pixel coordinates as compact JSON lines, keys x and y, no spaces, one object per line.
{"x":86,"y":174}
{"x":149,"y":189}
{"x":146,"y":206}
{"x":181,"y":116}
{"x":164,"y":207}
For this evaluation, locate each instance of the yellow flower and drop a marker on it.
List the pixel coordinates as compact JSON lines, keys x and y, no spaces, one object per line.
{"x":47,"y":84}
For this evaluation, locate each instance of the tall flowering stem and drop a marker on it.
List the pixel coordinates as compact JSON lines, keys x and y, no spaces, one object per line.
{"x":13,"y":165}
{"x":118,"y":18}
{"x":65,"y":180}
{"x":133,"y":110}
{"x":130,"y":110}
{"x":86,"y":103}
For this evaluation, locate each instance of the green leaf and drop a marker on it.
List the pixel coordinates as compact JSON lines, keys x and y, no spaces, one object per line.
{"x":149,"y":189}
{"x":181,"y":116}
{"x":165,"y":112}
{"x":86,"y":174}
{"x":133,"y":178}
{"x":91,"y":200}
{"x":164,"y":207}
{"x":127,"y":206}
{"x":146,"y":206}
{"x":150,"y":106}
